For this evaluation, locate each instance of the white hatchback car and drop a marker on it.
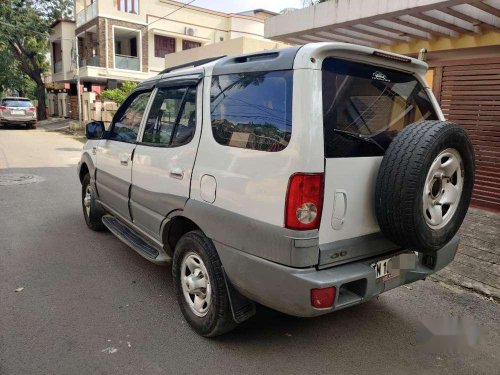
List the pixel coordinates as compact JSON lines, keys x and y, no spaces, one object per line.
{"x":307,"y":179}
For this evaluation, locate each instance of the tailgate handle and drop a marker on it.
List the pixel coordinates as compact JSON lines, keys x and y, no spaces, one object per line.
{"x":339,"y":209}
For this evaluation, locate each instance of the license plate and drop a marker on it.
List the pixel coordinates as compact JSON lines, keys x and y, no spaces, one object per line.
{"x":382,"y":268}
{"x":391,"y":267}
{"x":17,"y":112}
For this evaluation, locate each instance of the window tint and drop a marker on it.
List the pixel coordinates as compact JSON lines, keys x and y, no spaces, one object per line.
{"x":17,"y":103}
{"x":128,"y":118}
{"x":252,"y":110}
{"x":173,"y":112}
{"x":365,"y":107}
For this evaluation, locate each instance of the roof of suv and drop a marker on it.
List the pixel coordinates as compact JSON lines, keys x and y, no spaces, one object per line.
{"x":309,"y":56}
{"x":15,"y":98}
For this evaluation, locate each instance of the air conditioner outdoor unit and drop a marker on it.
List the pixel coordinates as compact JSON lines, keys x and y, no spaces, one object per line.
{"x":189,"y":31}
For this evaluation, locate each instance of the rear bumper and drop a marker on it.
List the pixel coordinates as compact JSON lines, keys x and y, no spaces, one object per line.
{"x":288,"y":289}
{"x":17,"y":120}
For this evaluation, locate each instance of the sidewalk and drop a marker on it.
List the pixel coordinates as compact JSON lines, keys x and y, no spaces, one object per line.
{"x":477,"y":264}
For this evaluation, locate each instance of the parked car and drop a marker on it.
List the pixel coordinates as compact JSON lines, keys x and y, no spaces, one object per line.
{"x":307,"y":179}
{"x":15,"y":110}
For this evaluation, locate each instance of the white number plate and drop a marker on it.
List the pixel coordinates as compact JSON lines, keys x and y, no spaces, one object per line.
{"x":381,"y":267}
{"x":17,"y":112}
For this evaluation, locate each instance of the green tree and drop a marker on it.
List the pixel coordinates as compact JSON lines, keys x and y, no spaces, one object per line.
{"x":120,"y":94}
{"x":24,"y":34}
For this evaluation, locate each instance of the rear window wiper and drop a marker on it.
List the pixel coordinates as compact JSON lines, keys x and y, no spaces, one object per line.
{"x":361,"y":137}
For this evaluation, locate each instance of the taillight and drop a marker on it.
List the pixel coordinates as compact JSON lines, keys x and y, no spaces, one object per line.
{"x":31,"y":109}
{"x":2,"y":108}
{"x":323,"y":298}
{"x":304,"y":201}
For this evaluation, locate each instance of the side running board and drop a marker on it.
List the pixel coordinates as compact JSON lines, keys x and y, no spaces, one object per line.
{"x":132,"y":239}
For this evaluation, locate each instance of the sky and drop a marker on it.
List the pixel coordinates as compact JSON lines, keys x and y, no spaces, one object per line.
{"x":234,"y":6}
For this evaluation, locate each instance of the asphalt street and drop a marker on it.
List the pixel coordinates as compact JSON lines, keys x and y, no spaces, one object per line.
{"x":91,"y":305}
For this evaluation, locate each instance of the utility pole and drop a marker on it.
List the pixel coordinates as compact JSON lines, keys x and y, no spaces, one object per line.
{"x":79,"y":94}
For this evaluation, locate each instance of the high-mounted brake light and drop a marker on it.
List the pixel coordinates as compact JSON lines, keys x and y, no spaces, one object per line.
{"x":391,"y":57}
{"x":304,"y":201}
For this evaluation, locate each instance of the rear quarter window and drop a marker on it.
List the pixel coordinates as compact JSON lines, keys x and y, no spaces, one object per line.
{"x":369,"y":101}
{"x":252,"y":110}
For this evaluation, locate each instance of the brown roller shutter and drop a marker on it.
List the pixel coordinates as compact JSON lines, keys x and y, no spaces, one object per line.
{"x":470,"y":96}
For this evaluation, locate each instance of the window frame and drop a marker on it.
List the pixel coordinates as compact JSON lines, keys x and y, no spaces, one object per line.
{"x":140,"y":138}
{"x":123,"y":108}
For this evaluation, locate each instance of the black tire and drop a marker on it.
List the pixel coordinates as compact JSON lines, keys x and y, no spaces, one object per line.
{"x":218,"y":319}
{"x":94,"y":219}
{"x":29,"y":126}
{"x":402,"y":177}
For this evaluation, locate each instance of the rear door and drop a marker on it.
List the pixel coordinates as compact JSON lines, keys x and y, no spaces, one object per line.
{"x":164,"y":159}
{"x":364,"y":108}
{"x":114,"y":154}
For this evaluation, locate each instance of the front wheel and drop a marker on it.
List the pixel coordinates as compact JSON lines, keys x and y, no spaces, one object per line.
{"x":91,"y":212}
{"x":200,"y":287}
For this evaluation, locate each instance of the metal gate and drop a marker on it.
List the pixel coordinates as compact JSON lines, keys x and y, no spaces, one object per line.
{"x":470,"y":96}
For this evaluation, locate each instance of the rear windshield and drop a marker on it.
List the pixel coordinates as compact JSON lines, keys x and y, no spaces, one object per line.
{"x":16,"y":103}
{"x":365,"y":107}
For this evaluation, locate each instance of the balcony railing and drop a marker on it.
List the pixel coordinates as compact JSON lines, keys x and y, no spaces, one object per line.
{"x":93,"y":61}
{"x":58,"y":66}
{"x":127,"y":62}
{"x":87,"y":14}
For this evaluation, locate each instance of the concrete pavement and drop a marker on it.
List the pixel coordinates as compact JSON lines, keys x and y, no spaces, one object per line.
{"x":90,"y":305}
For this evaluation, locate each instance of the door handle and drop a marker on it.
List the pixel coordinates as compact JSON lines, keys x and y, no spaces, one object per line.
{"x":124,"y":159}
{"x":339,"y":209}
{"x":177,"y":173}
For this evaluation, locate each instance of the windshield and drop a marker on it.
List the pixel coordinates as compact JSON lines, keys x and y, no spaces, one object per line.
{"x":369,"y":101}
{"x":16,"y":103}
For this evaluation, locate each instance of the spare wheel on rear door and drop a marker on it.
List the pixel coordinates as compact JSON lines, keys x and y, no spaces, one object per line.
{"x":424,"y":185}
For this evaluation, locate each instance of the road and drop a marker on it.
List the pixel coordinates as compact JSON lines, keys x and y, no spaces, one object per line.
{"x":90,"y":305}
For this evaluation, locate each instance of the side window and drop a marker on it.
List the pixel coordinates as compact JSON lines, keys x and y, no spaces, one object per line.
{"x":172,"y":118}
{"x":186,"y":127}
{"x":252,"y":110}
{"x":128,"y":118}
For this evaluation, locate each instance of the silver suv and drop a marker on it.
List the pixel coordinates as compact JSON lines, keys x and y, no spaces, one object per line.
{"x":16,"y":110}
{"x":307,"y":179}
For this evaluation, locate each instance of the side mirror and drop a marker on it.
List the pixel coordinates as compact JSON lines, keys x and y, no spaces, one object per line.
{"x":94,"y":130}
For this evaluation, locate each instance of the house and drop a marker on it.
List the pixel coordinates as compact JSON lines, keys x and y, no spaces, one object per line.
{"x":462,"y":39}
{"x":121,"y":40}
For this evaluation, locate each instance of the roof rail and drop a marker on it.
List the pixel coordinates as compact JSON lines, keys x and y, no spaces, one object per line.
{"x":192,"y":64}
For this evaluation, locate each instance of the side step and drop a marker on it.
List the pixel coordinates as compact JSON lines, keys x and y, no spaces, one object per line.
{"x":130,"y":238}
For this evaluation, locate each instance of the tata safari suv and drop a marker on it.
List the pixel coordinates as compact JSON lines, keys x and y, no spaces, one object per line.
{"x":307,"y":179}
{"x":17,"y":111}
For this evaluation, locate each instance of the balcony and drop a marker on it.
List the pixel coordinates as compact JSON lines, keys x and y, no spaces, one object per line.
{"x":87,"y":14}
{"x":58,"y":68}
{"x":127,"y":62}
{"x":93,"y":61}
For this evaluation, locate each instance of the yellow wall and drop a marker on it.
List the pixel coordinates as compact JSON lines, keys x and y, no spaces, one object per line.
{"x":490,"y":38}
{"x":229,"y":47}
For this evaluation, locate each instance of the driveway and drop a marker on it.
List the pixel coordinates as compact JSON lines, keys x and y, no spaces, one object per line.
{"x":90,"y":305}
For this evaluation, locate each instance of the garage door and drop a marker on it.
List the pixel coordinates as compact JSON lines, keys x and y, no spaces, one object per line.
{"x":470,"y":96}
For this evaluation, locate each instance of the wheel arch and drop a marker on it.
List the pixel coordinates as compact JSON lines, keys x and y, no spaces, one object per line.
{"x":176,"y":225}
{"x":86,"y":166}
